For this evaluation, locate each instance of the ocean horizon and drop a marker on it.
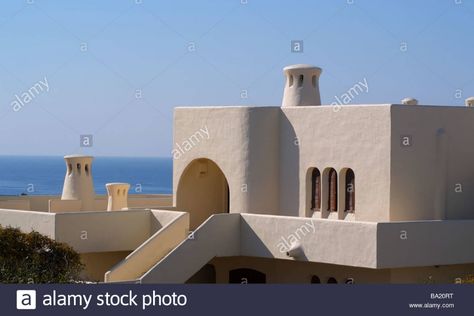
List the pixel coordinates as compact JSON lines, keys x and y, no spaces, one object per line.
{"x":44,"y":175}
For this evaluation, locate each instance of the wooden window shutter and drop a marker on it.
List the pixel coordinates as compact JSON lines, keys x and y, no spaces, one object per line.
{"x":315,"y":190}
{"x":350,"y":190}
{"x":332,"y":203}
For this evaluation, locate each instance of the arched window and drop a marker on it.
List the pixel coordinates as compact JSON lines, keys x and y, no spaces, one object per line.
{"x":332,"y":281}
{"x":350,"y":191}
{"x":349,"y":281}
{"x":300,"y":80}
{"x":315,"y":279}
{"x":315,"y":190}
{"x":332,"y":186}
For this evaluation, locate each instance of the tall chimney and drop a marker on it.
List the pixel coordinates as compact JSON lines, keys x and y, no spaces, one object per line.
{"x":78,"y":184}
{"x":302,"y":85}
{"x":117,"y":196}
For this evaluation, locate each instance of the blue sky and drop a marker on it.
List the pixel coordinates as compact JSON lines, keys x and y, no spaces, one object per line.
{"x":97,"y":54}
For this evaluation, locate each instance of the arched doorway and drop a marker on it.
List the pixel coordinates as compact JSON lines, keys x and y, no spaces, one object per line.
{"x":202,"y":191}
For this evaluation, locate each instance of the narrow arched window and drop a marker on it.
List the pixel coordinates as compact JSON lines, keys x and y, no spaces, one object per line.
{"x":300,"y":80}
{"x":315,"y":190}
{"x":332,"y":186}
{"x":350,"y":191}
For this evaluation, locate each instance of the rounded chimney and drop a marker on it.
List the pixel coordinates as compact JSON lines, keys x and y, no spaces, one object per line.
{"x":302,"y":85}
{"x":469,"y":102}
{"x":410,"y":101}
{"x":78,"y":184}
{"x":117,"y":196}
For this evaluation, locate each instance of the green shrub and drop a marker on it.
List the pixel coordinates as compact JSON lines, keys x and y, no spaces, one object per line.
{"x":35,"y":258}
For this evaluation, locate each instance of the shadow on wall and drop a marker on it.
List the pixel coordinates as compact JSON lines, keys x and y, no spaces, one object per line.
{"x":206,"y":274}
{"x":289,"y":168}
{"x":250,"y":242}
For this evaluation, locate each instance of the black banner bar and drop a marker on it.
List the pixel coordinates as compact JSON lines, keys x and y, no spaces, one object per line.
{"x":236,"y":299}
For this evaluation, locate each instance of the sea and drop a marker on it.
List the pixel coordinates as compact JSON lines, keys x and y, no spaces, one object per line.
{"x":44,"y":175}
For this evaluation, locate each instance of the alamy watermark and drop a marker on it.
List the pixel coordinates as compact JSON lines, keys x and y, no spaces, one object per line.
{"x":348,"y":96}
{"x":86,"y":140}
{"x":29,"y":95}
{"x":285,"y":243}
{"x":190,"y":142}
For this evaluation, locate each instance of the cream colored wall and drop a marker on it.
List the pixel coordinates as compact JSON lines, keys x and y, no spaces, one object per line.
{"x":15,"y":204}
{"x":266,"y":162}
{"x":64,"y":206}
{"x":53,"y":203}
{"x":105,"y":231}
{"x":262,"y":178}
{"x":150,"y":200}
{"x":426,"y":175}
{"x":226,"y":146}
{"x":361,"y":244}
{"x":139,"y":201}
{"x":27,"y":221}
{"x":327,"y":241}
{"x":111,"y":236}
{"x":284,"y":271}
{"x":38,"y":203}
{"x":252,"y":235}
{"x":356,"y":137}
{"x":97,"y":263}
{"x":243,"y":142}
{"x":265,"y":153}
{"x":354,"y":244}
{"x":424,"y":243}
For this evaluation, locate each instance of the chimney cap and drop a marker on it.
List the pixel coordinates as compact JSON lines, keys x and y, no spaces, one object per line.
{"x":77,"y":156}
{"x":301,"y":67}
{"x":410,"y":101}
{"x":117,"y":184}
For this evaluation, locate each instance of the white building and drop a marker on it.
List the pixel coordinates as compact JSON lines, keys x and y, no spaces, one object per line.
{"x":300,"y":193}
